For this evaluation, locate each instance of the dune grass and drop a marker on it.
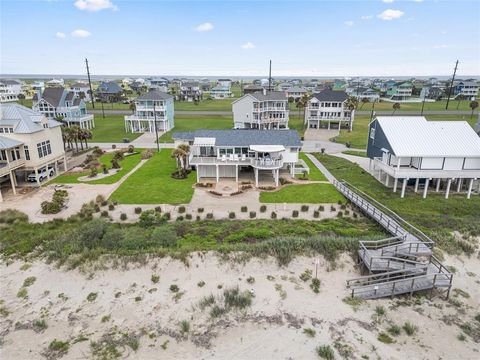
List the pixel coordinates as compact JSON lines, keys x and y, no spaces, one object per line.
{"x":303,"y":194}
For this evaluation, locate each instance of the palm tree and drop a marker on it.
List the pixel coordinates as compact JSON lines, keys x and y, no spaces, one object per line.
{"x":364,"y":101}
{"x":395,"y":107}
{"x":473,"y":105}
{"x":180,"y":153}
{"x":302,"y":104}
{"x":75,"y":132}
{"x":351,"y":103}
{"x":21,"y":97}
{"x":132,"y":107}
{"x":85,"y":135}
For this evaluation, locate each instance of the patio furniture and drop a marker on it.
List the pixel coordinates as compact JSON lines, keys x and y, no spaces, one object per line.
{"x":231,"y":157}
{"x":235,"y":157}
{"x":244,"y":157}
{"x":224,"y":157}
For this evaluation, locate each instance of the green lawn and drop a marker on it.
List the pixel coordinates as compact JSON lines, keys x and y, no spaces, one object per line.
{"x":127,"y":164}
{"x":307,"y":194}
{"x":355,"y":153}
{"x":358,"y":136}
{"x":195,"y":122}
{"x":205,"y":105}
{"x":152,"y":184}
{"x":296,"y":123}
{"x":438,"y":105}
{"x":314,"y":174}
{"x":435,"y":214}
{"x":111,"y":129}
{"x":109,"y":106}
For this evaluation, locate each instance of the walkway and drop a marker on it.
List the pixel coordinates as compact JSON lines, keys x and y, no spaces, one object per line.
{"x":322,"y":168}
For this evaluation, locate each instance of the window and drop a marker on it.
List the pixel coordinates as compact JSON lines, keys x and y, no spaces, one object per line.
{"x":44,"y":148}
{"x":372,"y":133}
{"x":27,"y":152}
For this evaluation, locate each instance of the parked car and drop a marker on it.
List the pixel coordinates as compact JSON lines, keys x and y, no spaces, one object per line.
{"x":42,"y":174}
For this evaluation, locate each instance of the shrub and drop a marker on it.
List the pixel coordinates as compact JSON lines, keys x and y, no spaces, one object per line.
{"x":263,"y":208}
{"x":93,"y":171}
{"x":158,"y":209}
{"x":304,"y":208}
{"x":11,"y":216}
{"x":104,"y":203}
{"x":50,"y":207}
{"x":114,"y":146}
{"x":22,"y":293}
{"x":231,"y":215}
{"x":111,"y":207}
{"x":29,"y":281}
{"x":100,"y":199}
{"x":174,"y":288}
{"x":332,"y":208}
{"x":131,"y":149}
{"x":316,"y":214}
{"x":380,"y":310}
{"x":138,"y":210}
{"x":409,"y":328}
{"x":181,"y":209}
{"x":273,"y":215}
{"x":326,"y":352}
{"x":210,"y":216}
{"x":295,"y":213}
{"x":164,"y":236}
{"x":188,"y":216}
{"x":201,"y":283}
{"x":104,"y":213}
{"x":150,"y":218}
{"x":147,"y":154}
{"x":309,"y":332}
{"x":155,"y":278}
{"x":115,"y":164}
{"x":385,"y":338}
{"x":216,"y":193}
{"x":40,"y":325}
{"x":250,"y":280}
{"x":200,"y":210}
{"x":243,"y":209}
{"x":180,"y":174}
{"x":253,"y":214}
{"x":104,"y":169}
{"x":123,"y":216}
{"x":340,"y":214}
{"x":198,"y":218}
{"x":394,"y":330}
{"x":118,"y":155}
{"x":315,"y":285}
{"x":184,"y":326}
{"x":58,"y":347}
{"x":236,"y":193}
{"x":92,"y":296}
{"x":321,"y":208}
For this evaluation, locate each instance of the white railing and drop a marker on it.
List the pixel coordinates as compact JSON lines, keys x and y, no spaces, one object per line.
{"x":340,"y":118}
{"x":5,"y":168}
{"x":146,"y":118}
{"x":269,"y":108}
{"x":150,"y":108}
{"x":267,"y":163}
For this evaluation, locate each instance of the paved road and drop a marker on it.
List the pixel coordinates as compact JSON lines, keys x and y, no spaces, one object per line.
{"x":229,"y":113}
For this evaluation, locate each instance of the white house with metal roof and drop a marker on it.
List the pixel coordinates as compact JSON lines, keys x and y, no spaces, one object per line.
{"x":29,"y":143}
{"x":329,"y":108}
{"x":221,"y":92}
{"x":152,"y":108}
{"x":296,"y":92}
{"x":261,"y":110}
{"x":10,"y":89}
{"x":426,"y":154}
{"x":227,"y":153}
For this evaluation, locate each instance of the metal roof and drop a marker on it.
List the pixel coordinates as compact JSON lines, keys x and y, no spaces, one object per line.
{"x":155,"y":95}
{"x":7,"y":143}
{"x":240,"y":137}
{"x":414,"y":136}
{"x":23,"y":119}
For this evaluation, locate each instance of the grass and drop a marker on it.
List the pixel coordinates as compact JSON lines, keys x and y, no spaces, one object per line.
{"x":435,"y":215}
{"x":127,"y":164}
{"x":358,"y":136}
{"x":326,"y":352}
{"x":111,"y":129}
{"x":385,"y":338}
{"x":355,"y":153}
{"x":152,"y":183}
{"x":194,"y":122}
{"x":308,"y":193}
{"x":314,"y":174}
{"x":429,"y":106}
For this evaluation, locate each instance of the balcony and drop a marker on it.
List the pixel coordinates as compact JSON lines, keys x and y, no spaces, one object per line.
{"x":150,"y":108}
{"x":330,"y":118}
{"x":5,"y":167}
{"x":270,"y":108}
{"x":79,"y":119}
{"x":144,"y":118}
{"x":237,"y":160}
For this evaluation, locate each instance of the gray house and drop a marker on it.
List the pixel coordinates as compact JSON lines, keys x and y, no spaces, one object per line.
{"x":415,"y":151}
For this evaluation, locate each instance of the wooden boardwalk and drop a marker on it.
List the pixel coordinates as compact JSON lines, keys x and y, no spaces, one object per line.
{"x":401,"y":264}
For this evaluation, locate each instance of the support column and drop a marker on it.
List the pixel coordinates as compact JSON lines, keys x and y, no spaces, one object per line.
{"x":12,"y":181}
{"x":437,"y":189}
{"x":198,"y":173}
{"x":447,"y":191}
{"x":370,"y":165}
{"x":459,"y":185}
{"x":48,"y":173}
{"x":56,"y":167}
{"x":470,"y":185}
{"x":425,"y":190}
{"x":395,"y":183}
{"x":236,"y":173}
{"x":277,"y":175}
{"x":255,"y":170}
{"x":417,"y":180}
{"x":404,"y":185}
{"x":216,"y":172}
{"x":36,"y":177}
{"x":387,"y":180}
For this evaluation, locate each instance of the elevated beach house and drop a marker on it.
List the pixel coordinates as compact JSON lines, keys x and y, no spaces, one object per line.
{"x":10,"y":89}
{"x":221,"y":92}
{"x":424,"y":154}
{"x":189,"y":91}
{"x":154,"y":105}
{"x":29,"y":143}
{"x":227,"y":153}
{"x":57,"y":102}
{"x":261,"y":110}
{"x":328,"y":109}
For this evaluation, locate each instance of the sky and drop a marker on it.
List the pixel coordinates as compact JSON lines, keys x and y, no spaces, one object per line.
{"x":238,"y":38}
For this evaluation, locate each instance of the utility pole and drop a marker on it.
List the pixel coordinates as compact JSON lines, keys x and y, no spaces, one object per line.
{"x":270,"y":77}
{"x":101,"y":100}
{"x":156,"y":130}
{"x":451,"y":85}
{"x":92,"y":98}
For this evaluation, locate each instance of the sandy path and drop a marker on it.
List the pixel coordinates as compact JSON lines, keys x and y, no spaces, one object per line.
{"x":271,"y":329}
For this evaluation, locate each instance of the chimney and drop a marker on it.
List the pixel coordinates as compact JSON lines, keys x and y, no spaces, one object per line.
{"x":264,"y":91}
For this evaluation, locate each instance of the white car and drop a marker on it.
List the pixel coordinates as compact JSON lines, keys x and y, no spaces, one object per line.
{"x":42,"y":175}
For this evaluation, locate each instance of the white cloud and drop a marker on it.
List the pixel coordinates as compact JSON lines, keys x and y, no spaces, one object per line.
{"x":390,"y":14}
{"x":80,"y":33}
{"x":388,"y":1}
{"x":248,"y":45}
{"x":349,"y":23}
{"x":417,"y":0}
{"x":443,"y":46}
{"x":95,"y":5}
{"x":60,"y":35}
{"x":366,"y":17}
{"x":204,"y":27}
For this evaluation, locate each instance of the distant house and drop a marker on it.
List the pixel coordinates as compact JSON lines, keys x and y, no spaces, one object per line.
{"x":29,"y":143}
{"x":81,"y":90}
{"x":339,"y":85}
{"x":364,"y":93}
{"x":415,"y":151}
{"x":310,"y":86}
{"x":431,"y":92}
{"x":57,"y":102}
{"x":329,"y":108}
{"x":224,"y":82}
{"x":190,"y":91}
{"x":467,"y":89}
{"x":55,"y":83}
{"x":230,"y":153}
{"x":10,"y":89}
{"x":284,"y":86}
{"x":261,"y":110}
{"x":109,"y":92}
{"x":250,"y":89}
{"x":400,"y":91}
{"x":148,"y":107}
{"x":38,"y":86}
{"x":296,"y":92}
{"x":220,"y":92}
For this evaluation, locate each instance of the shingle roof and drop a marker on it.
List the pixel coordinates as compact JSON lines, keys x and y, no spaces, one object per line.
{"x":414,"y":136}
{"x":330,"y":95}
{"x":296,"y":89}
{"x":270,"y":95}
{"x":240,"y":137}
{"x":10,"y":82}
{"x":53,"y":95}
{"x":24,"y":120}
{"x":110,"y":87}
{"x":69,"y":96}
{"x":155,"y":95}
{"x":7,"y":143}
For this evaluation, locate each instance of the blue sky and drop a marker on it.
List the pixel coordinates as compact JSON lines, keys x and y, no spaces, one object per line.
{"x":303,"y":38}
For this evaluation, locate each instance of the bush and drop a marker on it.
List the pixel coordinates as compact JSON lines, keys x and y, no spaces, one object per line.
{"x":123,"y":216}
{"x":295,"y":213}
{"x":50,"y":207}
{"x":253,"y":214}
{"x":158,"y":209}
{"x":104,"y":213}
{"x":181,"y":209}
{"x":340,"y":214}
{"x":200,"y":210}
{"x":316,"y":214}
{"x":59,"y":348}
{"x":174,"y":288}
{"x":315,"y":285}
{"x":93,"y":171}
{"x":231,"y":215}
{"x":394,"y":330}
{"x":115,"y":164}
{"x":138,"y":210}
{"x":11,"y":216}
{"x":210,"y":216}
{"x":114,"y":146}
{"x":273,"y":215}
{"x":321,"y":208}
{"x":409,"y":328}
{"x":198,"y":218}
{"x":179,"y":218}
{"x":332,"y":208}
{"x":243,"y":209}
{"x":91,"y":297}
{"x":326,"y":352}
{"x":150,"y":218}
{"x":201,"y":283}
{"x":385,"y":338}
{"x":155,"y":278}
{"x":180,"y":174}
{"x":164,"y":236}
{"x":263,"y":208}
{"x":118,"y":155}
{"x":188,"y":216}
{"x":111,"y":207}
{"x":100,"y":199}
{"x":104,"y":169}
{"x":304,"y":208}
{"x":131,"y":149}
{"x":147,"y":154}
